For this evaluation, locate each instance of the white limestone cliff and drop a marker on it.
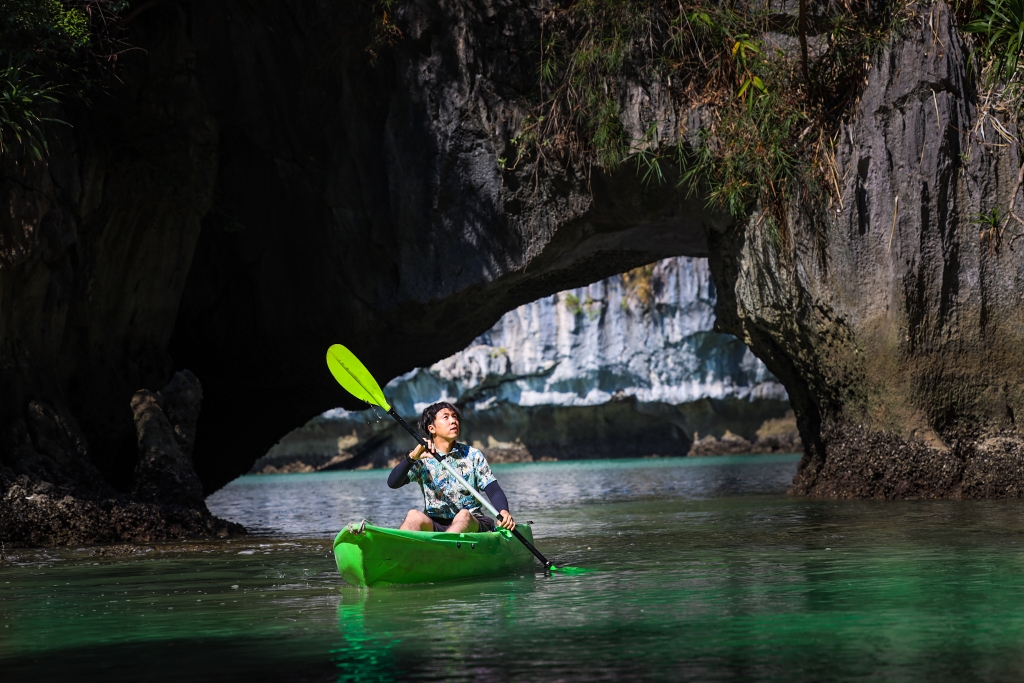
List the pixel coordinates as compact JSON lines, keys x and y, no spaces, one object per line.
{"x":626,"y":366}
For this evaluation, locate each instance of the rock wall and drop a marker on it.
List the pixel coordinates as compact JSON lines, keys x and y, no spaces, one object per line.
{"x":261,"y":187}
{"x":95,"y":247}
{"x":895,"y":325}
{"x":625,"y":367}
{"x":361,"y":201}
{"x":52,"y":494}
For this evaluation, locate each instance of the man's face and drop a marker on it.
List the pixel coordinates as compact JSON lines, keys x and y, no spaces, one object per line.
{"x":446,"y":424}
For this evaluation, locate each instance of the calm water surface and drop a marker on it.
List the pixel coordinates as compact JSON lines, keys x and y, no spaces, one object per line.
{"x":706,"y":571}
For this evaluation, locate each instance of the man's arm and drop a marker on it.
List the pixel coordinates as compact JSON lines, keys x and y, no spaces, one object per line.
{"x":497,"y":496}
{"x":485,"y":478}
{"x":399,"y":476}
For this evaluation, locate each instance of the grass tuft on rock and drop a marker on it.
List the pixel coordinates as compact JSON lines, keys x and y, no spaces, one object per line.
{"x":755,"y":92}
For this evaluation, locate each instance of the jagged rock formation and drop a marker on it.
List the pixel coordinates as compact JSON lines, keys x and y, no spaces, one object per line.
{"x":775,"y":435}
{"x":896,"y":329}
{"x":362,"y":202}
{"x":261,"y":187}
{"x":621,"y":368}
{"x":166,"y":425}
{"x":52,"y":493}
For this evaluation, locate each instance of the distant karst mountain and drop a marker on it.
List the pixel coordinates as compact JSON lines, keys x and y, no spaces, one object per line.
{"x":626,"y":367}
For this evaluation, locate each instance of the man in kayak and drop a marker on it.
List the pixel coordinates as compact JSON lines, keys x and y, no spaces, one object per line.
{"x":449,"y":507}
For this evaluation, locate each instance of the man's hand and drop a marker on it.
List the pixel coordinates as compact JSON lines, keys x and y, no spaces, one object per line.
{"x":505,"y":520}
{"x":419,"y":452}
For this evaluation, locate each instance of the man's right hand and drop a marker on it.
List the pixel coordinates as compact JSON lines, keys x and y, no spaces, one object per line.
{"x":419,"y":452}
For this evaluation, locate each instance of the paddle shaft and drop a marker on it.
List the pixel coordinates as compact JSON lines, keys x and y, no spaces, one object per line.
{"x":476,"y":494}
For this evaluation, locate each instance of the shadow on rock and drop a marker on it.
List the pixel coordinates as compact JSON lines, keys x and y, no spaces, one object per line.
{"x":52,"y":494}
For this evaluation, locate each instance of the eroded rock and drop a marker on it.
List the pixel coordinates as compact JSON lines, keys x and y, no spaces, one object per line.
{"x":894,"y":325}
{"x":166,"y":423}
{"x":52,"y":494}
{"x":239,"y":216}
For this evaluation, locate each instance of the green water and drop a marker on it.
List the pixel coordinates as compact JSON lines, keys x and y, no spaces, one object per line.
{"x":706,"y":571}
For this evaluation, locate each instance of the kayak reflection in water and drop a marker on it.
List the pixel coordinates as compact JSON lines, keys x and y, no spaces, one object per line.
{"x":448,"y":506}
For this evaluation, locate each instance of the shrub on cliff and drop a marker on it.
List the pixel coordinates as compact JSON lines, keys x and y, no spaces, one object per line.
{"x":52,"y":51}
{"x":766,"y":84}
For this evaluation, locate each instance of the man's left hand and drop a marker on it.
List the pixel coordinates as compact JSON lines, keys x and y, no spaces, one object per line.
{"x":505,"y":520}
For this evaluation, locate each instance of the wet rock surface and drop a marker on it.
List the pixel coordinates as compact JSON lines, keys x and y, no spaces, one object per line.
{"x":52,"y":494}
{"x":866,"y":464}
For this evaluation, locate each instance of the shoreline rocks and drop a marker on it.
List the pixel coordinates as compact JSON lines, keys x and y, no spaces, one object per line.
{"x":776,"y":435}
{"x":52,"y":494}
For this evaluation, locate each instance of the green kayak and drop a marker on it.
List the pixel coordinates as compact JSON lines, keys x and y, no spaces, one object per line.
{"x":374,"y":556}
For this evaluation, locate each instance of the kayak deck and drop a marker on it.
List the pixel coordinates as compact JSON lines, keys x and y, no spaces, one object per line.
{"x":376,"y":556}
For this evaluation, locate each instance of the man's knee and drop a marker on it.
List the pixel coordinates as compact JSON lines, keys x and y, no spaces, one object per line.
{"x":416,"y":520}
{"x":416,"y":516}
{"x":465,"y":520}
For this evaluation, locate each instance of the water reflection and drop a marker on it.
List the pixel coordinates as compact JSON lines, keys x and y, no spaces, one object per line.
{"x":689,"y":586}
{"x":364,"y":653}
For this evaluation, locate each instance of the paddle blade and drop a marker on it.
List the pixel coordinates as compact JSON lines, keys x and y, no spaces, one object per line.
{"x":571,"y":570}
{"x":354,"y":377}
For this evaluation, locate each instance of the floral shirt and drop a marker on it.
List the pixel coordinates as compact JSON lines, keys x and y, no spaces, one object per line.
{"x":443,"y":496}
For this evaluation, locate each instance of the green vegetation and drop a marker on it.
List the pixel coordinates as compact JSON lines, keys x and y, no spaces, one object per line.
{"x":770,"y":104}
{"x":572,"y":303}
{"x":1000,"y":25}
{"x":639,"y":284}
{"x":383,"y":32}
{"x":21,"y":100}
{"x":53,"y":52}
{"x":590,"y":306}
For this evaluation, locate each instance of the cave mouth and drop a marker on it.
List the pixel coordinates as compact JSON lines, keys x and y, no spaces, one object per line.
{"x":599,"y":371}
{"x":261,"y":303}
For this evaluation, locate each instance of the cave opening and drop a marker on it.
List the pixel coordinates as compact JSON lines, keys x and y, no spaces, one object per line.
{"x":629,"y":366}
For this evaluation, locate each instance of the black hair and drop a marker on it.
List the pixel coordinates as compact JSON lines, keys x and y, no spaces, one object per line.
{"x":431,"y":411}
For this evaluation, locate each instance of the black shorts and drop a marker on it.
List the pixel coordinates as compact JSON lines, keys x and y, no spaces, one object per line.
{"x":486,"y":523}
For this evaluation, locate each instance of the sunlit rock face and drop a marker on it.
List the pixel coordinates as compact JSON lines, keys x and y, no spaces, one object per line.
{"x":586,"y":346}
{"x":628,"y":366}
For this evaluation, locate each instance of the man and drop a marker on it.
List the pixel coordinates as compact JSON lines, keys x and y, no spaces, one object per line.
{"x":448,"y":506}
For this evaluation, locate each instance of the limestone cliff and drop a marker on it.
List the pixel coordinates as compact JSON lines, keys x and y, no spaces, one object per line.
{"x":261,"y":186}
{"x":894,"y":324}
{"x":628,"y":366}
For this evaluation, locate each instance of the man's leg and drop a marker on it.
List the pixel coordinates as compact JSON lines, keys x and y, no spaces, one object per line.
{"x":417,"y":521}
{"x":464,"y":522}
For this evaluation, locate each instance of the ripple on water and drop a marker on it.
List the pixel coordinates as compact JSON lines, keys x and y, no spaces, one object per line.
{"x":705,"y":571}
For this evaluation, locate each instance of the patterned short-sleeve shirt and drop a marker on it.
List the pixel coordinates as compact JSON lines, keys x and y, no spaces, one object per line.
{"x":443,"y":496}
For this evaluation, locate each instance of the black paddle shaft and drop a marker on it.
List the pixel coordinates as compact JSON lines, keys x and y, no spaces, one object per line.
{"x":515,"y":532}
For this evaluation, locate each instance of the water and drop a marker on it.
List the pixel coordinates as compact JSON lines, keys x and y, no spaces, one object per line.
{"x":706,"y":571}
